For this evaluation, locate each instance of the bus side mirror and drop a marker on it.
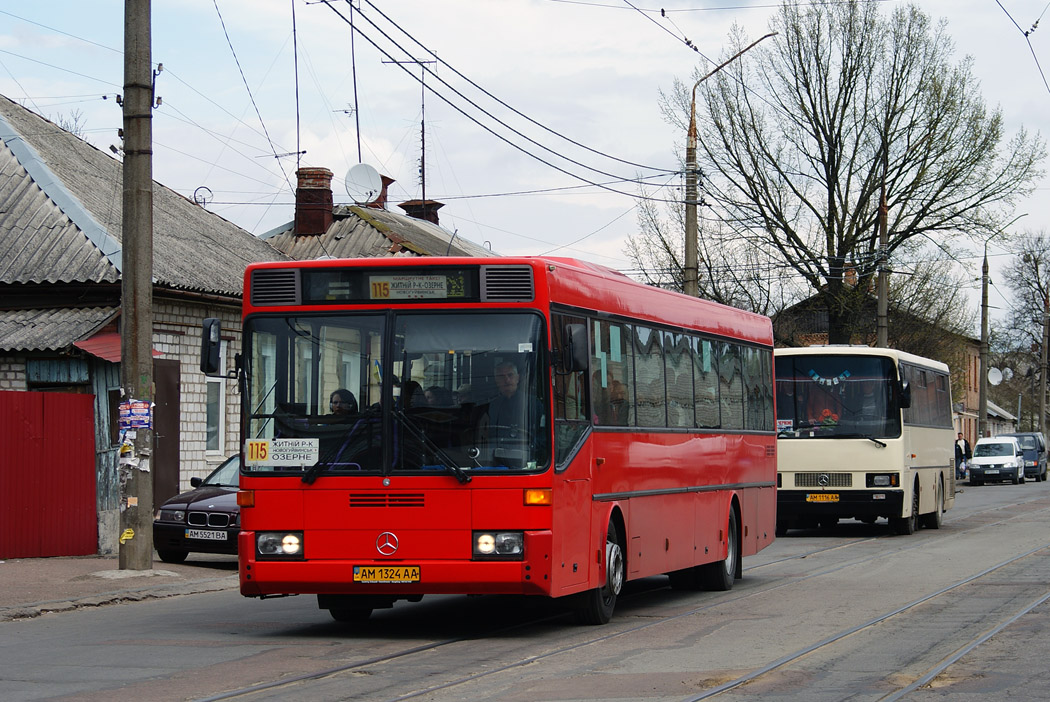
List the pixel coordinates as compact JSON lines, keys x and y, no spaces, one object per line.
{"x":575,"y":353}
{"x":905,"y":395}
{"x":210,"y":346}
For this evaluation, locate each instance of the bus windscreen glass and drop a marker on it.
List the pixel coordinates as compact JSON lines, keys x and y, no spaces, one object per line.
{"x":829,"y":396}
{"x":449,"y":392}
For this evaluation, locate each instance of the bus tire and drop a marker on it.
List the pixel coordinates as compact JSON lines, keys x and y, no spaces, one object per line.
{"x":596,"y":606}
{"x":905,"y":526}
{"x":719,"y":576}
{"x":933,"y":519}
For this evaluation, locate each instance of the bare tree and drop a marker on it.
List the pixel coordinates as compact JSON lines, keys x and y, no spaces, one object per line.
{"x":1028,"y":279}
{"x":801,"y":136}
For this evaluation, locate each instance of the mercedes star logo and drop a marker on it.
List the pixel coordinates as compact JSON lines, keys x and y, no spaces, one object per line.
{"x":823,"y":479}
{"x":386,"y":544}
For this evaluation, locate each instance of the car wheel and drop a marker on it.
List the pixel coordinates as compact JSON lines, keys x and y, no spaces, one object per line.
{"x":719,"y":576}
{"x":596,"y":606}
{"x":172,"y":556}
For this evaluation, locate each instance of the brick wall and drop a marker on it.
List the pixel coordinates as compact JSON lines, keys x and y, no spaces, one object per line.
{"x":13,"y":373}
{"x":177,"y":334}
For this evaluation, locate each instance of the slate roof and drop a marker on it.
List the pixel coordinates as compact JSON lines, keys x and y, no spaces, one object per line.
{"x":60,"y":217}
{"x":365,"y":232}
{"x":47,"y":329}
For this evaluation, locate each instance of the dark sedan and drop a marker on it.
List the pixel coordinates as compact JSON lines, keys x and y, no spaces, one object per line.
{"x":203,"y":520}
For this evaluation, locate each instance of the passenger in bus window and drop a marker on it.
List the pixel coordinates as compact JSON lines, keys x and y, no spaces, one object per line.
{"x":506,"y":411}
{"x":437,"y":396}
{"x":342,"y":402}
{"x":463,"y":395}
{"x":412,"y":394}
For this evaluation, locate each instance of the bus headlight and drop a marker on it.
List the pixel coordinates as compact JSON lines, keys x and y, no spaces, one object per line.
{"x":497,"y":545}
{"x":279,"y":544}
{"x":880,"y":480}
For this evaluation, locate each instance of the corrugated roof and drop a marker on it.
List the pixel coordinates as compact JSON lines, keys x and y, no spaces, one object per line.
{"x":363,"y":232}
{"x":51,"y":329}
{"x":60,"y":217}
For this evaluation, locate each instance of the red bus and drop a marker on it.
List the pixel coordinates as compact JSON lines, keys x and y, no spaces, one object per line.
{"x":536,"y":426}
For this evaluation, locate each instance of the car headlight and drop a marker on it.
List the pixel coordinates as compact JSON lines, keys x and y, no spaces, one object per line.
{"x":170,"y":515}
{"x":279,"y":544}
{"x":496,"y":545}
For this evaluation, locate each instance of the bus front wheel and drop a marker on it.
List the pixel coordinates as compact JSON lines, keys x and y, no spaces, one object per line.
{"x":719,"y":576}
{"x":934,"y":519}
{"x":905,"y":526}
{"x":596,"y":606}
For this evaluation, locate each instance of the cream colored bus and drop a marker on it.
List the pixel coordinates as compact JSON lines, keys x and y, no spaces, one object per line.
{"x":862,"y":433}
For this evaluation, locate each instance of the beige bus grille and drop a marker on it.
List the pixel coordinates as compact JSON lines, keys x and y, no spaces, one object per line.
{"x":816,"y":480}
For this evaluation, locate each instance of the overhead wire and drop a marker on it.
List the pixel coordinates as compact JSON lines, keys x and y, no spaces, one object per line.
{"x":250,"y":95}
{"x":504,"y":104}
{"x":490,"y":130}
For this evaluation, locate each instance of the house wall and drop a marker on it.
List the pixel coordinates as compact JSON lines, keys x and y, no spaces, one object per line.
{"x":13,"y":373}
{"x":177,"y":333}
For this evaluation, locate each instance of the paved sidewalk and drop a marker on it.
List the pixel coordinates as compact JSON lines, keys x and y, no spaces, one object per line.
{"x":30,"y":587}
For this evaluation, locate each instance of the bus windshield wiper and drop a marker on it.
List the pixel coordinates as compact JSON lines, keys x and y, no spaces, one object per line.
{"x":869,"y":437}
{"x":421,"y":436}
{"x":332,"y":458}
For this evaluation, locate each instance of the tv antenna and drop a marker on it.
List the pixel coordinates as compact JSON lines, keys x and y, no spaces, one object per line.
{"x":422,"y":122}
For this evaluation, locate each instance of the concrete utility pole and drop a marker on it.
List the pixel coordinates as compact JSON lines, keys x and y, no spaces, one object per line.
{"x":1041,"y":425}
{"x":882,"y":337}
{"x":136,"y":328}
{"x":982,"y":404}
{"x":689,"y":273}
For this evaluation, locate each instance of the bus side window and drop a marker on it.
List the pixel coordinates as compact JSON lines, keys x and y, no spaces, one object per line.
{"x":680,"y":407}
{"x":731,"y":386}
{"x":570,"y":399}
{"x":705,"y":380}
{"x":650,"y":390}
{"x":612,"y":373}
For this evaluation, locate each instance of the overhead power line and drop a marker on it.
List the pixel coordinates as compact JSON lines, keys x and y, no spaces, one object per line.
{"x":487,"y":128}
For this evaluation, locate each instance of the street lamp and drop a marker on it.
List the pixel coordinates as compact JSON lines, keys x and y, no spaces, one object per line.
{"x":982,"y":402}
{"x":689,"y":282}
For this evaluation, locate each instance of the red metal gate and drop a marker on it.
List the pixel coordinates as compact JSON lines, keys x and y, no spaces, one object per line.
{"x":47,"y":475}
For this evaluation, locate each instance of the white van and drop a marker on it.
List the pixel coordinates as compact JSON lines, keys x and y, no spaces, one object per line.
{"x":997,"y":458}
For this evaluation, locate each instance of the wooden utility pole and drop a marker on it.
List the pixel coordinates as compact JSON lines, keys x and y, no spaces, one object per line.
{"x":136,"y":304}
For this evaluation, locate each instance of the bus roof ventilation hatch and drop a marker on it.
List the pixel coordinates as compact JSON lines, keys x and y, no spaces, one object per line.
{"x":276,"y":286}
{"x":507,"y":284}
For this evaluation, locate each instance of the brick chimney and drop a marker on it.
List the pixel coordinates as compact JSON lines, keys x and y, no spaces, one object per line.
{"x":313,"y":201}
{"x":380,"y":202}
{"x":422,"y":209}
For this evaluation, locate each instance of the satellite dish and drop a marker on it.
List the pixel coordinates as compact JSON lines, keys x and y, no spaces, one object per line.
{"x":363,"y":184}
{"x":995,"y":376}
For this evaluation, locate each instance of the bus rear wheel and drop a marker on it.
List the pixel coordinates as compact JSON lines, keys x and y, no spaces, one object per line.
{"x":719,"y":576}
{"x":596,"y":606}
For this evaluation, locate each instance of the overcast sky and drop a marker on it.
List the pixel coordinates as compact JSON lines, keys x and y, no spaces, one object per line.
{"x":587,"y":71}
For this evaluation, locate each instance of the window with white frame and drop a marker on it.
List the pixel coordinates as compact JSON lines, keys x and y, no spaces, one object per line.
{"x":216,"y":409}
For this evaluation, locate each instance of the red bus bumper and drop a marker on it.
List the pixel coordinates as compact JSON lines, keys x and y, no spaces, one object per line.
{"x":531,"y":576}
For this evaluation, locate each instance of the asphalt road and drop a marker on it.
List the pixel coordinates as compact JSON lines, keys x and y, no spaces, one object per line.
{"x":843,"y":613}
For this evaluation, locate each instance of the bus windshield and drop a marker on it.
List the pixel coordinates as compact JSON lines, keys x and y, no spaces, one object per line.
{"x":829,"y":396}
{"x":382,"y":393}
